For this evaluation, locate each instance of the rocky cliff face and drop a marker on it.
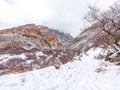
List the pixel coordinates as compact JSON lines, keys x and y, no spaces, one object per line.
{"x":84,"y":41}
{"x":30,"y":47}
{"x":28,"y":37}
{"x":62,"y":37}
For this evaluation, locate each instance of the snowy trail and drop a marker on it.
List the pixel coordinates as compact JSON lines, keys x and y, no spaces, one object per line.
{"x":77,"y":75}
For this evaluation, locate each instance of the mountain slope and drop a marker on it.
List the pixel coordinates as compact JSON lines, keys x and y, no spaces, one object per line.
{"x":77,"y":75}
{"x":27,"y":60}
{"x":84,"y":41}
{"x":28,"y":47}
{"x":62,"y":37}
{"x":28,"y":37}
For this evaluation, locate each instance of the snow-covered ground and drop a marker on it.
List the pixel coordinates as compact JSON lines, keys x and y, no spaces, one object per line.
{"x":77,"y":75}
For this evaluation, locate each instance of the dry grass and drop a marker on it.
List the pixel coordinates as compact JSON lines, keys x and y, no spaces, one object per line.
{"x":99,"y":70}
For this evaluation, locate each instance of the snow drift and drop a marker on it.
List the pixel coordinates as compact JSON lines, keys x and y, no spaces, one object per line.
{"x":78,"y":75}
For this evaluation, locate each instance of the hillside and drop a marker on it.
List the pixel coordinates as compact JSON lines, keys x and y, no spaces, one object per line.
{"x":28,"y":37}
{"x":62,"y":37}
{"x":28,"y":47}
{"x":33,"y":57}
{"x":85,"y":74}
{"x":84,"y":41}
{"x":41,"y":56}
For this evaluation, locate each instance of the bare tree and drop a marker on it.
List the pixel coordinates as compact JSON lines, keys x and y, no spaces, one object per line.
{"x":108,"y":23}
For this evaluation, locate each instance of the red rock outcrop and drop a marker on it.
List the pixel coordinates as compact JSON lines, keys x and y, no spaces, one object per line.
{"x":28,"y":37}
{"x":30,"y":47}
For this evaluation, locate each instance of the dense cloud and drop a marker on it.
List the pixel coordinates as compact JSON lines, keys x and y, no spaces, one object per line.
{"x":64,"y":15}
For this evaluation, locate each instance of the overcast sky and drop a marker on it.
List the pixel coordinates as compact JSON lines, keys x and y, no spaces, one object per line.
{"x":65,"y":15}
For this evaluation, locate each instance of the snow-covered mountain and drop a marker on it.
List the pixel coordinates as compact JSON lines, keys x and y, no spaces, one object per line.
{"x":63,"y":37}
{"x":85,"y":74}
{"x":28,"y":37}
{"x":33,"y":58}
{"x":84,"y":41}
{"x":30,"y":47}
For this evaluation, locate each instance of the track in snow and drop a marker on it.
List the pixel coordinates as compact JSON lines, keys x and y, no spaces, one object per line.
{"x":77,"y":75}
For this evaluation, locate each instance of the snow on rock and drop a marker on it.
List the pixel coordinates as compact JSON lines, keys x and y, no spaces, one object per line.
{"x":116,"y":54}
{"x":64,"y":38}
{"x":113,"y":57}
{"x":23,"y":61}
{"x":38,"y":54}
{"x":77,"y":75}
{"x":6,"y":57}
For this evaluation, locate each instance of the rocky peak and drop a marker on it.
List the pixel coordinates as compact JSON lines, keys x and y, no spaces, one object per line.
{"x":28,"y":37}
{"x":64,"y":38}
{"x":28,"y":47}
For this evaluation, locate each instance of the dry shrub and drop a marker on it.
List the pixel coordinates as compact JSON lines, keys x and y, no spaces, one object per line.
{"x":113,"y":60}
{"x":107,"y":23}
{"x":18,"y":65}
{"x":16,"y":69}
{"x":7,"y":47}
{"x":100,"y":69}
{"x":100,"y":57}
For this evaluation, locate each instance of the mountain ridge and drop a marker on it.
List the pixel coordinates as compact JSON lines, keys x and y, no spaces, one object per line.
{"x":28,"y":47}
{"x":30,"y":36}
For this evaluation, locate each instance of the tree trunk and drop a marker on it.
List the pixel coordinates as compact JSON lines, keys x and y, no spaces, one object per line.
{"x":116,"y":42}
